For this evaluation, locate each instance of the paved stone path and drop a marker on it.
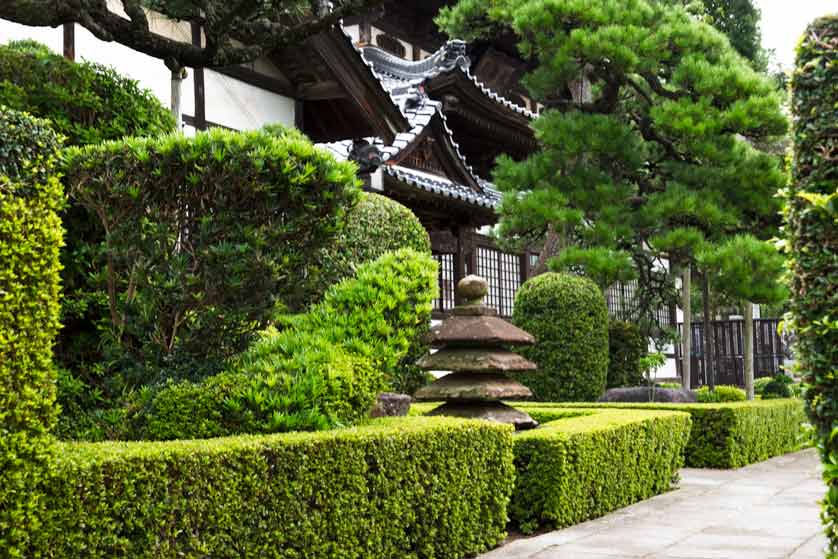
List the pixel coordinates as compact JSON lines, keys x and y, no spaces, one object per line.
{"x":768,"y":510}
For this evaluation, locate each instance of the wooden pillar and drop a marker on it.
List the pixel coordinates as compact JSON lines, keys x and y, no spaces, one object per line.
{"x":200,"y":89}
{"x":364,"y":33}
{"x":69,"y":41}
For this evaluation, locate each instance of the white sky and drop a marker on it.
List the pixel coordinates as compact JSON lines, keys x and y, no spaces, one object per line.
{"x":783,"y":22}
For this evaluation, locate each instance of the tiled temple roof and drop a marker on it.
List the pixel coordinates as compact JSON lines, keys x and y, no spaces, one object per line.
{"x":404,"y":82}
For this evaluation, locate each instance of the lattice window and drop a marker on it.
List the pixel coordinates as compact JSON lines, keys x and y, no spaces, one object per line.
{"x":622,"y":304}
{"x":391,"y":45}
{"x":422,"y":157}
{"x":503,"y":272}
{"x":445,"y":301}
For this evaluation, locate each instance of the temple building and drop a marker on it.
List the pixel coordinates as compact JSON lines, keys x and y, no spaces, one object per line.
{"x":424,"y":117}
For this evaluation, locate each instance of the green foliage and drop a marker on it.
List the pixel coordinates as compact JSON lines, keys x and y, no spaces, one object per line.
{"x":811,"y":233}
{"x":324,"y":369}
{"x":671,"y":385}
{"x":376,"y":225}
{"x":646,"y":139}
{"x":626,"y":347}
{"x":86,"y":102}
{"x":746,"y":268}
{"x":569,"y":319}
{"x":732,"y":434}
{"x":205,"y":238}
{"x":30,"y":239}
{"x":357,"y":493}
{"x":739,"y":21}
{"x":573,"y":470}
{"x":721,"y":393}
{"x":777,"y":387}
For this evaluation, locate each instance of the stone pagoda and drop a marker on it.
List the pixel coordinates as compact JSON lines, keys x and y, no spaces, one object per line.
{"x":473,"y":345}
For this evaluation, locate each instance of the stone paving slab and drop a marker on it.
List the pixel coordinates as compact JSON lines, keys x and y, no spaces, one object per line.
{"x":764,"y":511}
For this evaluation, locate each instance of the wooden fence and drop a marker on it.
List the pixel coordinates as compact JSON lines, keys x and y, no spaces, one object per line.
{"x":770,"y":351}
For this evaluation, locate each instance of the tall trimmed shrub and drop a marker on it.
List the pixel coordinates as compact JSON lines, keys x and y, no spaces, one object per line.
{"x":812,"y":239}
{"x":30,"y":239}
{"x":569,"y":319}
{"x":626,"y":346}
{"x":206,"y":239}
{"x":324,"y":369}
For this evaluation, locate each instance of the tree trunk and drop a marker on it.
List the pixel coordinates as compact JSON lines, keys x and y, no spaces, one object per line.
{"x":748,"y":347}
{"x":709,"y":373}
{"x":686,"y":336}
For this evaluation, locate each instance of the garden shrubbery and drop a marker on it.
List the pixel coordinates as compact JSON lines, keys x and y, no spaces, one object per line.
{"x":626,"y":347}
{"x":721,"y":393}
{"x":812,"y":239}
{"x":363,"y":492}
{"x":30,"y":240}
{"x":325,"y":368}
{"x":569,"y":319}
{"x":779,"y":386}
{"x":206,"y":240}
{"x":85,"y":102}
{"x":576,"y":469}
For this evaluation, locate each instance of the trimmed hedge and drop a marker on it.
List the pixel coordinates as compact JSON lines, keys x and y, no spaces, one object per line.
{"x":569,"y":319}
{"x":30,"y":240}
{"x":406,"y":487}
{"x":626,"y":346}
{"x":812,"y":239}
{"x":324,"y":369}
{"x":206,"y":238}
{"x":729,"y":435}
{"x":576,"y":469}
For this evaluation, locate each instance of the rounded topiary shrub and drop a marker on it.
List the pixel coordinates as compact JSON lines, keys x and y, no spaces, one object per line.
{"x":569,"y":319}
{"x":30,"y":239}
{"x":626,"y":346}
{"x":721,"y":393}
{"x":372,"y":227}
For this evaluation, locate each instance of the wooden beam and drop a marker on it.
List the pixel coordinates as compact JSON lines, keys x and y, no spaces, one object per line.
{"x":198,"y":79}
{"x":321,"y":91}
{"x":257,"y":79}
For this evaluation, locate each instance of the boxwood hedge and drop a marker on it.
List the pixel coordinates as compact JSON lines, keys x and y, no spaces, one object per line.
{"x":407,"y":487}
{"x":30,"y":239}
{"x":575,"y":469}
{"x":812,"y":239}
{"x":730,"y":435}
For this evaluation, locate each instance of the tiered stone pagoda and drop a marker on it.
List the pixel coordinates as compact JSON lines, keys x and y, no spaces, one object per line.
{"x":473,"y":345}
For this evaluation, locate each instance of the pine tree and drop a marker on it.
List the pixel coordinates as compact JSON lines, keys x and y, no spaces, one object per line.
{"x":654,"y":159}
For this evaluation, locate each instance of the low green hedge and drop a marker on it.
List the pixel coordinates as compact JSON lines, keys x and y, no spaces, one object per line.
{"x":414,"y":487}
{"x":580,"y":468}
{"x":730,"y":435}
{"x":584,"y":463}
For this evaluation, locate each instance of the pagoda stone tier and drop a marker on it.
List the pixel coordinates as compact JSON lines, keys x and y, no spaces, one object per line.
{"x":473,"y":344}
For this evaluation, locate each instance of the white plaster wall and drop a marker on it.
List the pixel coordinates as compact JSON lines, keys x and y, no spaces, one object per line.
{"x":238,"y":105}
